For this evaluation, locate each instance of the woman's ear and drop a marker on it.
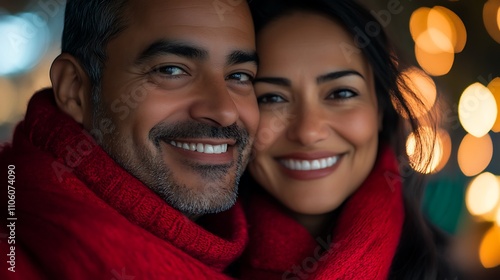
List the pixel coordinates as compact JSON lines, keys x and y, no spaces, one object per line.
{"x":71,"y":87}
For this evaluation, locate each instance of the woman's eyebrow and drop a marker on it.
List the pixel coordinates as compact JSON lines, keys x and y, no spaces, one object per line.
{"x":336,"y":75}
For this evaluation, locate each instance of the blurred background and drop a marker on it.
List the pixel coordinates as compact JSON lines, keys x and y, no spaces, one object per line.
{"x":454,"y":47}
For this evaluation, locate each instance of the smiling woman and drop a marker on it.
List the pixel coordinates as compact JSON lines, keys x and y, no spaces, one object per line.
{"x":328,"y":151}
{"x":333,"y":119}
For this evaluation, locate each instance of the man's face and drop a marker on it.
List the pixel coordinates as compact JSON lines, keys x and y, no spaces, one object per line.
{"x":177,"y":86}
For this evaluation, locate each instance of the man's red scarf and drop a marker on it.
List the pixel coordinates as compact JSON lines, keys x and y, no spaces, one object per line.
{"x":361,"y":245}
{"x":81,"y":216}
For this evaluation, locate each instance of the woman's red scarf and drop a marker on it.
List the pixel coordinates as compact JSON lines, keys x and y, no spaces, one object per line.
{"x":71,"y":194}
{"x":361,"y":246}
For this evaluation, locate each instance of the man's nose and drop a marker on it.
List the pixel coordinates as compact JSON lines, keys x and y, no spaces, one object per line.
{"x":215,"y":105}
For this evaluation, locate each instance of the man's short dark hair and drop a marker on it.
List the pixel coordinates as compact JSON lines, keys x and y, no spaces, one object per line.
{"x":88,"y":27}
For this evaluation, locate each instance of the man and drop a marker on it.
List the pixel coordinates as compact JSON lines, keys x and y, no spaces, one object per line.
{"x":146,"y":129}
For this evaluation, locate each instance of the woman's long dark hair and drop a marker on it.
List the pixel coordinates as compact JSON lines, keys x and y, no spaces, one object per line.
{"x":419,"y":254}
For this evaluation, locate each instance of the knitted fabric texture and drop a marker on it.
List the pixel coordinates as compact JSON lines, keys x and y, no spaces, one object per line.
{"x":81,"y":216}
{"x":361,"y":245}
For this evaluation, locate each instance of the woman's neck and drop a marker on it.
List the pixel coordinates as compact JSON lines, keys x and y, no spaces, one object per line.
{"x":317,"y":225}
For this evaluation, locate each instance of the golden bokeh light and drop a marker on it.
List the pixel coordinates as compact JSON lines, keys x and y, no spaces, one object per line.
{"x":430,"y":159}
{"x":477,"y":110}
{"x":434,"y":41}
{"x":444,"y":143}
{"x":438,"y":34}
{"x":8,"y":95}
{"x":418,"y":22}
{"x":442,"y":26}
{"x":435,"y":64}
{"x":489,"y":250}
{"x":458,"y":33}
{"x":474,"y":154}
{"x":494,"y":87}
{"x":422,"y":86}
{"x":497,"y":218}
{"x":491,"y":18}
{"x":483,"y":194}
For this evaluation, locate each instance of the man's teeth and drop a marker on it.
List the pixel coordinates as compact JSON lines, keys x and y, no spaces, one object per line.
{"x":202,"y":148}
{"x":309,"y":164}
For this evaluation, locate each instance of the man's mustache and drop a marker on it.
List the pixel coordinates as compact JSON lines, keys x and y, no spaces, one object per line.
{"x":191,"y":129}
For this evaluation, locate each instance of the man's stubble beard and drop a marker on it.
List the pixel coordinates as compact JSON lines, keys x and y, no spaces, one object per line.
{"x":211,"y":195}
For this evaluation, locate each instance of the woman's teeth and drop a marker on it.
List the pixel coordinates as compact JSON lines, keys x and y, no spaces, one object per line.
{"x":316,"y":164}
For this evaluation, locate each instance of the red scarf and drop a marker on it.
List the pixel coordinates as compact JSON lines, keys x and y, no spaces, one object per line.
{"x":81,"y":216}
{"x":361,"y":246}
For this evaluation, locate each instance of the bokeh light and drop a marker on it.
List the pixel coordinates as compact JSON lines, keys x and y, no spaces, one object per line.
{"x":438,"y":34}
{"x":497,"y":218}
{"x":25,"y":39}
{"x":435,"y":64}
{"x":7,"y":97}
{"x":442,"y":30}
{"x":444,"y":143}
{"x":491,"y":18}
{"x":474,"y":154}
{"x":483,"y":195}
{"x":446,"y":19}
{"x":38,"y":78}
{"x":489,"y":250}
{"x":477,"y":109}
{"x":494,"y":87}
{"x":434,"y":41}
{"x":418,"y":22}
{"x":422,"y":86}
{"x":430,"y":158}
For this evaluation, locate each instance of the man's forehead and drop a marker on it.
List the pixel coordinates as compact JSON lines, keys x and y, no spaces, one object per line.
{"x":206,"y":13}
{"x":193,"y":23}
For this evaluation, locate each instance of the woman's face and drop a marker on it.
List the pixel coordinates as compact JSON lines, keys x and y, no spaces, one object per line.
{"x":319,"y":121}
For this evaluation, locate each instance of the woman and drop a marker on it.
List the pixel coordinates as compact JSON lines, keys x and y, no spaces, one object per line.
{"x":328,"y":152}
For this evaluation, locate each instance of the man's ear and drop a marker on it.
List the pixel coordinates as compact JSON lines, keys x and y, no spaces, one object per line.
{"x":71,"y":87}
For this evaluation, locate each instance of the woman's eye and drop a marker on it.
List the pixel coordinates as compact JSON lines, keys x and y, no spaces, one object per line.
{"x":243,"y":78}
{"x":270,"y":98}
{"x":342,"y":94}
{"x":170,"y":70}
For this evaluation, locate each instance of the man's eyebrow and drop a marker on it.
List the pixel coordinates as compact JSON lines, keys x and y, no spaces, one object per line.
{"x":273,"y":80}
{"x":238,"y":57}
{"x":336,"y":75}
{"x":164,"y":47}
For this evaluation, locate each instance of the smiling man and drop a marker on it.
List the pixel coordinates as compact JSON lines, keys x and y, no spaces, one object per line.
{"x":146,"y":130}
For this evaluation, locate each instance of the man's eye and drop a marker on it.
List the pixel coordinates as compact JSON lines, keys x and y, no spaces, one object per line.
{"x":342,"y":94}
{"x":270,"y":98}
{"x":243,"y":78}
{"x":170,"y":70}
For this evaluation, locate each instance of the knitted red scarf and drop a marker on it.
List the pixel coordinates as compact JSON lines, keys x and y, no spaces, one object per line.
{"x":361,"y":246}
{"x":81,"y":216}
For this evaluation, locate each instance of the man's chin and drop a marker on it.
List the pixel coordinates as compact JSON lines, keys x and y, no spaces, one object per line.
{"x":197,"y":200}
